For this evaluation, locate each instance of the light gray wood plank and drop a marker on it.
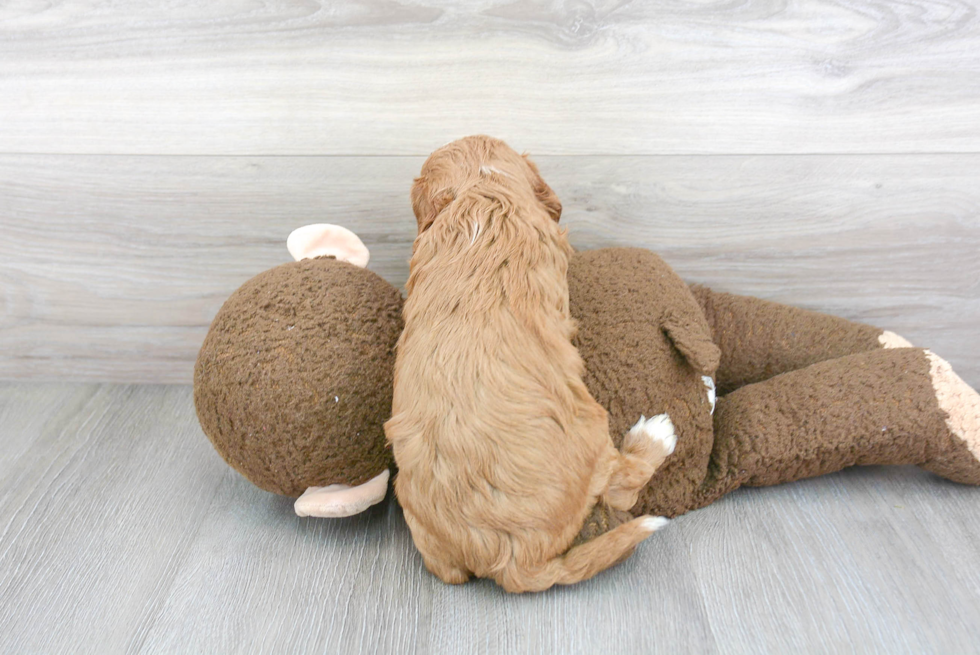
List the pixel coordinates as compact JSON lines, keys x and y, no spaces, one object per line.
{"x":122,"y":531}
{"x":889,"y":241}
{"x":595,"y":77}
{"x":123,"y":262}
{"x":360,"y":586}
{"x":95,"y":516}
{"x":111,"y":268}
{"x":29,"y":411}
{"x":824,"y":553}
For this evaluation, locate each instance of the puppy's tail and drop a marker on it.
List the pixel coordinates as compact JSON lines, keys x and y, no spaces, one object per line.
{"x":583,"y":561}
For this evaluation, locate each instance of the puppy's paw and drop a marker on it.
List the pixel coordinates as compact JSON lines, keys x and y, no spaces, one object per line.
{"x":657,"y":430}
{"x":645,"y":448}
{"x":653,"y":523}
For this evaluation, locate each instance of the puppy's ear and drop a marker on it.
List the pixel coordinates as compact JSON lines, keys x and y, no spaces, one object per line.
{"x":543,"y":192}
{"x":426,"y":207}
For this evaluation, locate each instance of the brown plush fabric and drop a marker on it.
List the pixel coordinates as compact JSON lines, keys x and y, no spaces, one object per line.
{"x":877,"y":407}
{"x":954,"y":461}
{"x":294,"y":380}
{"x":760,"y":339}
{"x":600,"y":520}
{"x":815,"y":393}
{"x":633,"y":311}
{"x":821,"y":392}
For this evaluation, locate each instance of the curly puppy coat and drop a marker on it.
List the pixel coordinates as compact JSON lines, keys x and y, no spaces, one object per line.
{"x":501,"y":451}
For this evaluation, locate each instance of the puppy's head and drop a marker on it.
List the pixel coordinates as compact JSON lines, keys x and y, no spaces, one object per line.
{"x":462,"y":164}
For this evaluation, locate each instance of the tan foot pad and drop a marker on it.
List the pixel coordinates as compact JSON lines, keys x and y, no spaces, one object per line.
{"x":891,"y":340}
{"x":337,"y":500}
{"x":959,"y":400}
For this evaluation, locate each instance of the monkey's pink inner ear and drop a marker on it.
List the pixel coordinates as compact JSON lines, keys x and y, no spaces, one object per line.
{"x":338,"y":500}
{"x":322,"y":239}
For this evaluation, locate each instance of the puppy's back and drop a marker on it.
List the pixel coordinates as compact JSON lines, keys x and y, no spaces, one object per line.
{"x":501,"y":450}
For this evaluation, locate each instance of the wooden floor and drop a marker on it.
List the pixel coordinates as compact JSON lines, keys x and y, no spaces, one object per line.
{"x":823,"y":153}
{"x":122,"y":531}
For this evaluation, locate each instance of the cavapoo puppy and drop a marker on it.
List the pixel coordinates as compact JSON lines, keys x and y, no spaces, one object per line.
{"x":501,"y":451}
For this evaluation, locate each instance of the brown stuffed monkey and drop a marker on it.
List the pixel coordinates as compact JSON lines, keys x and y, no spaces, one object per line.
{"x":294,"y":382}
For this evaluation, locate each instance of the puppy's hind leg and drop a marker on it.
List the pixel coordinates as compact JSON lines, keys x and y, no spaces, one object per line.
{"x":585,"y":560}
{"x":433,"y":553}
{"x":644,"y":449}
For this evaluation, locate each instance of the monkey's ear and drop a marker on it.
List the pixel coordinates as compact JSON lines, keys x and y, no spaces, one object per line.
{"x":323,"y":239}
{"x":694,"y":342}
{"x":544,"y":193}
{"x":425,"y":206}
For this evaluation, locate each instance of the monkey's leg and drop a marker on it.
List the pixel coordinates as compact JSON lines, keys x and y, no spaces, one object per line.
{"x":894,"y":406}
{"x":760,"y":339}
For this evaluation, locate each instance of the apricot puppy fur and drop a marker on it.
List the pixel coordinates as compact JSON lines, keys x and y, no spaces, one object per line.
{"x":501,"y":451}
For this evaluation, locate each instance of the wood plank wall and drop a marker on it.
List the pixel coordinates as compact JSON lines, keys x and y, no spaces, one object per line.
{"x":824,"y":154}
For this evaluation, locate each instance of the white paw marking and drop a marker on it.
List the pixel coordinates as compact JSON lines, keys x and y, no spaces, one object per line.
{"x":654,"y":523}
{"x":712,"y":397}
{"x":658,"y":428}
